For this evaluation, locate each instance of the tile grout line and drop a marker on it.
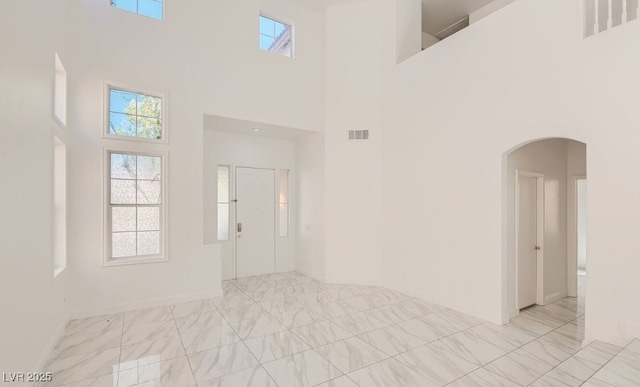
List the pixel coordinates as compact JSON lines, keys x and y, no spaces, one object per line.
{"x":609,"y":361}
{"x":290,"y":329}
{"x":184,"y":347}
{"x":517,"y":348}
{"x":120,"y":354}
{"x":280,"y":285}
{"x":570,"y":357}
{"x":243,"y":342}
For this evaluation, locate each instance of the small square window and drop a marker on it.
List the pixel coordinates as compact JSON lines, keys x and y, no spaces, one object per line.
{"x":135,"y":114}
{"x":151,"y":8}
{"x":276,"y":36}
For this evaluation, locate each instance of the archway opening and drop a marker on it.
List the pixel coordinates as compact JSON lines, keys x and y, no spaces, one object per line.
{"x":544,"y":235}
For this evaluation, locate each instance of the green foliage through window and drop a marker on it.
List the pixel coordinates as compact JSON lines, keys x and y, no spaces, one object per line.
{"x":135,"y":115}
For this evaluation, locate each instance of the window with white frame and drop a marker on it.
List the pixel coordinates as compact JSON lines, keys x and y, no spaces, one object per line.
{"x":276,"y":36}
{"x":60,"y":92}
{"x":151,"y":8}
{"x":284,"y":202}
{"x":135,"y":115}
{"x":223,"y":202}
{"x":136,"y":207}
{"x":59,"y":206}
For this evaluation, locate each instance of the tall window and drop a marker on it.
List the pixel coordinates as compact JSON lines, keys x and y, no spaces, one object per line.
{"x":59,"y":207}
{"x":151,"y":8}
{"x":276,"y":36}
{"x":60,"y":93}
{"x":284,"y":202}
{"x":135,"y":207}
{"x":135,"y":115}
{"x":223,"y":202}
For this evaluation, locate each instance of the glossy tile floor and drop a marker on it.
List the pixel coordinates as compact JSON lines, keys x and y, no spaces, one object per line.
{"x":290,"y":330}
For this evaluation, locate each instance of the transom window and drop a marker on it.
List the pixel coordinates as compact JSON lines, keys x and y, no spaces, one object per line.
{"x":135,"y":206}
{"x":135,"y":115}
{"x":151,"y":8}
{"x":276,"y":36}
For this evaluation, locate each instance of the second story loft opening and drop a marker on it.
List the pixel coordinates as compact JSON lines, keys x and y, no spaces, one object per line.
{"x":423,"y":23}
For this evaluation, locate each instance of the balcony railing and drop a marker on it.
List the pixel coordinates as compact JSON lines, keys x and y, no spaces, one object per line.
{"x":603,"y":15}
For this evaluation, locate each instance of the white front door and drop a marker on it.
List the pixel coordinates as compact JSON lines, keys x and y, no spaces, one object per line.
{"x":527,"y":241}
{"x":255,"y":217}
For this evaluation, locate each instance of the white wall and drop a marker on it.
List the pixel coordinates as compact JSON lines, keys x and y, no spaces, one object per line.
{"x":310,"y":247}
{"x":354,"y":81}
{"x":488,"y":9}
{"x":576,"y":168}
{"x":409,"y":38}
{"x":456,"y":109}
{"x":582,"y":224}
{"x":254,"y":151}
{"x":547,"y":157}
{"x":33,"y":301}
{"x":190,"y":55}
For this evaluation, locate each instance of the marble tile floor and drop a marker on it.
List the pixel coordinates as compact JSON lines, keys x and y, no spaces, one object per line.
{"x":287,"y":329}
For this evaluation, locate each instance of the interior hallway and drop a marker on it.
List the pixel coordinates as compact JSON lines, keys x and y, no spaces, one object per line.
{"x":290,"y":330}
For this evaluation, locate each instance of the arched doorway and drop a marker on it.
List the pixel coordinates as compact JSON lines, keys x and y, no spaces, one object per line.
{"x":544,"y":223}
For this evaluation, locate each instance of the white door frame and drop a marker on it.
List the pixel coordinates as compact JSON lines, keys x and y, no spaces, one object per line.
{"x":235,"y":217}
{"x":572,"y":235}
{"x":539,"y":233}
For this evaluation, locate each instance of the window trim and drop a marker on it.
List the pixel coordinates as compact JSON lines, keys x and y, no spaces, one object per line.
{"x":107,"y":260}
{"x":60,"y":93}
{"x":163,"y":94}
{"x":60,"y":221}
{"x":141,"y":14}
{"x":287,"y":172}
{"x":291,"y":25}
{"x":228,"y":203}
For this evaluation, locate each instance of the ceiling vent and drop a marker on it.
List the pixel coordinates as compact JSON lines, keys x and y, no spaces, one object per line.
{"x":358,"y":135}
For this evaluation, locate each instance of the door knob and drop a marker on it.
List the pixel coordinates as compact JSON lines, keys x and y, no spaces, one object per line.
{"x":239,"y":227}
{"x":537,"y":248}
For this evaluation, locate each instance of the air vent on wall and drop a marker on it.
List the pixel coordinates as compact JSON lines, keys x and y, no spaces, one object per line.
{"x":358,"y":135}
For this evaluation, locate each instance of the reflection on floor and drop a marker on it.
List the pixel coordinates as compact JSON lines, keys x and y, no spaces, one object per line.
{"x":290,"y":330}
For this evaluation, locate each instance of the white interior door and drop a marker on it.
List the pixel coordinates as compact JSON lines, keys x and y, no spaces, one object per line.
{"x":255,"y":218}
{"x":527,"y":241}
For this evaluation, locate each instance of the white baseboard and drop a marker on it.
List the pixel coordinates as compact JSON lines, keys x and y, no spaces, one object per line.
{"x":338,"y":280}
{"x":507,"y":316}
{"x":310,"y":274}
{"x":607,"y":338}
{"x":557,"y":296}
{"x":496,"y":319}
{"x":119,"y":308}
{"x":45,"y":355}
